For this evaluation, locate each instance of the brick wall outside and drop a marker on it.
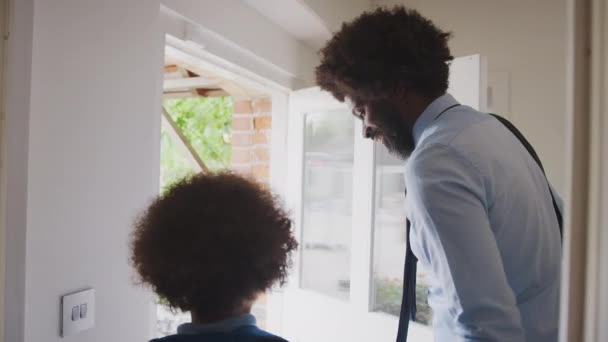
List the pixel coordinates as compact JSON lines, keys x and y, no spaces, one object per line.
{"x":251,"y":127}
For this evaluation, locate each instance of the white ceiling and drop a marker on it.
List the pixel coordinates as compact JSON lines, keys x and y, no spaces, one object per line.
{"x":295,"y":17}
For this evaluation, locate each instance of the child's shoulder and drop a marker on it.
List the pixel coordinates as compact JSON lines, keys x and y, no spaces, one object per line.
{"x":245,"y":334}
{"x":254,"y":334}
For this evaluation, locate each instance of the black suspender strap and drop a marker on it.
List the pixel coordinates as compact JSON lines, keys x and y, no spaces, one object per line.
{"x":532,"y":153}
{"x":408,"y":299}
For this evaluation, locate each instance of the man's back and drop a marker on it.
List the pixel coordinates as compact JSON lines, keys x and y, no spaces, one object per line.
{"x":484,"y":227}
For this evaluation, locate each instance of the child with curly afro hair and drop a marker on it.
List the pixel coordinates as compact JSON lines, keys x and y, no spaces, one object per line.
{"x":211,"y":245}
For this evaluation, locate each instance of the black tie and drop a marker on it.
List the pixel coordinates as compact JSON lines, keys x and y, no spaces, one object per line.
{"x":408,"y":298}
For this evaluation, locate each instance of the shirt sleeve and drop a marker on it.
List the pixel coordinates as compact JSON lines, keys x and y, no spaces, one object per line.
{"x":448,"y":209}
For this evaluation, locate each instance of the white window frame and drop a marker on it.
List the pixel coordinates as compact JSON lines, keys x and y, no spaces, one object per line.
{"x":358,"y":310}
{"x":588,"y":112}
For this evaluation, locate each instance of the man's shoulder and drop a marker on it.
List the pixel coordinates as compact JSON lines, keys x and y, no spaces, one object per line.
{"x":453,"y":124}
{"x":470,"y":138}
{"x":435,"y":156}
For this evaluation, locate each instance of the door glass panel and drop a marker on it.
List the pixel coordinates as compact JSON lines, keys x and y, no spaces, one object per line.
{"x":327,"y":203}
{"x":389,"y":240}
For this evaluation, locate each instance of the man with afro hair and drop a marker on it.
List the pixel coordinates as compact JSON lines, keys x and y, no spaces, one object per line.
{"x":482,"y":219}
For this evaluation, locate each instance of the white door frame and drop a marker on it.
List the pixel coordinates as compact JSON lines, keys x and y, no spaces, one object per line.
{"x":4,"y":10}
{"x":16,"y":135}
{"x":302,"y":305}
{"x":579,"y":316}
{"x":573,"y":265}
{"x":204,"y":54}
{"x":596,"y":116}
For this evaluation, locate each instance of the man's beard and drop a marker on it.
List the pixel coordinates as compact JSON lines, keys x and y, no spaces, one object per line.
{"x":397,"y":135}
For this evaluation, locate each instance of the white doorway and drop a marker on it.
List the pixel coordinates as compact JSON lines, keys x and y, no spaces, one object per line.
{"x":195,"y":79}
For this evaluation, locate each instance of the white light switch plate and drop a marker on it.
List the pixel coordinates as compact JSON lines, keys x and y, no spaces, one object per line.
{"x":72,"y":321}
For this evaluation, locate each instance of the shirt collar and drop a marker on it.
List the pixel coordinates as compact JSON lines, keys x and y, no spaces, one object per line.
{"x":431,"y":113}
{"x":221,"y":326}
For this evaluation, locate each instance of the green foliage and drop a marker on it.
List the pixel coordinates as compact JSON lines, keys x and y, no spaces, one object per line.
{"x":173,"y":164}
{"x":207,"y":124}
{"x":388,"y":299}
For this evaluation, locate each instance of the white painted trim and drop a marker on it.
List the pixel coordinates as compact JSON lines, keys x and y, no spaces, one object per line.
{"x":596,"y":303}
{"x":4,"y":10}
{"x":189,"y":82}
{"x":286,"y":62}
{"x":337,"y":319}
{"x":279,"y":159}
{"x":278,"y":142}
{"x":160,"y":76}
{"x":192,"y":53}
{"x":483,"y":76}
{"x":301,"y":102}
{"x":577,"y":160}
{"x":18,"y":92}
{"x":363,"y":221}
{"x":600,"y":87}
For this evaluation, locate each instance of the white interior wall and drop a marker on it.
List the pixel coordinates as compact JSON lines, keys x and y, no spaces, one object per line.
{"x":241,"y":35}
{"x":84,"y":135}
{"x":4,"y":31}
{"x":83,"y":115}
{"x":526,"y":39}
{"x":17,"y":135}
{"x":311,"y":21}
{"x":335,"y":12}
{"x":296,"y":18}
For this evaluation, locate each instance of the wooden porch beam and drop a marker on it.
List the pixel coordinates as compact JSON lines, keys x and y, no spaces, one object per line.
{"x":189,"y":82}
{"x":178,"y":137}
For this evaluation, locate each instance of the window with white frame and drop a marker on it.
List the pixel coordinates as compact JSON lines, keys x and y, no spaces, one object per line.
{"x":327,"y":203}
{"x":348,"y":196}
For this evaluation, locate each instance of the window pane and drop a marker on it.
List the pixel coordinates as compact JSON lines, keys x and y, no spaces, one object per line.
{"x":327,"y":203}
{"x":389,"y":240}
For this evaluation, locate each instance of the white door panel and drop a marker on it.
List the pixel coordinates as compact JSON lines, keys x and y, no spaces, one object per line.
{"x":468,"y":81}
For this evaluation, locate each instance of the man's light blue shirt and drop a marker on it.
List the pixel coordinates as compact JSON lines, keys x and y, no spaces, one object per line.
{"x":483,"y":228}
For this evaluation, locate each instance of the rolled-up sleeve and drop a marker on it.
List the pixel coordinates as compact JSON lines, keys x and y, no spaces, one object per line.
{"x":447,"y":204}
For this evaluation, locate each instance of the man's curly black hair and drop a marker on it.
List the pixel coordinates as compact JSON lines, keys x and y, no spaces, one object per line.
{"x":213,"y":242}
{"x":383,"y":50}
